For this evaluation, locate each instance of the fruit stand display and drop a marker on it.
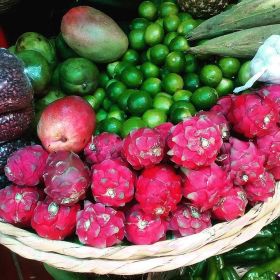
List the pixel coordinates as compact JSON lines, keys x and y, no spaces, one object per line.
{"x":149,"y":147}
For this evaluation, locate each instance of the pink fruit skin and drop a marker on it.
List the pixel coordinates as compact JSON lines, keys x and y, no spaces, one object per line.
{"x":269,"y":145}
{"x":231,"y":206}
{"x":246,"y":162}
{"x":143,"y":147}
{"x":223,"y":105}
{"x":100,"y":226}
{"x":25,"y":167}
{"x":112,"y":183}
{"x":252,"y":115}
{"x":164,"y":129}
{"x":18,"y":204}
{"x":275,"y":172}
{"x":66,"y":178}
{"x":158,"y":190}
{"x":53,"y":221}
{"x":187,"y":220}
{"x":194,"y":143}
{"x":142,"y":228}
{"x":205,"y":186}
{"x":261,"y":189}
{"x":272,"y":92}
{"x":103,"y":146}
{"x":67,"y":124}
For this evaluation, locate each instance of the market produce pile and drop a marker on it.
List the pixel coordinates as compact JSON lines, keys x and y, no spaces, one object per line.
{"x":138,"y":139}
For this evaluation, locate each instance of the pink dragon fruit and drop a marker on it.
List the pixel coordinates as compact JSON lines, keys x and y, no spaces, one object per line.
{"x":164,"y":129}
{"x":17,"y":204}
{"x":103,"y":146}
{"x":231,"y":206}
{"x":54,"y":221}
{"x":143,"y":147}
{"x":194,"y":142}
{"x":252,"y":115}
{"x":66,"y":178}
{"x":158,"y":190}
{"x":187,"y":220}
{"x":272,"y":92}
{"x":275,"y":172}
{"x":219,"y":119}
{"x":223,"y":105}
{"x":112,"y":183}
{"x":261,"y":189}
{"x":205,"y":186}
{"x":142,"y":228}
{"x":246,"y":162}
{"x":25,"y":167}
{"x":269,"y":145}
{"x":100,"y":226}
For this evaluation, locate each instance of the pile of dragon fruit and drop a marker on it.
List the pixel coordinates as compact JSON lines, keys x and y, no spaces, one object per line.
{"x":173,"y":178}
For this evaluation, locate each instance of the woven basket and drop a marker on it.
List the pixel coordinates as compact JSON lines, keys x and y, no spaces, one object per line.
{"x":140,"y":259}
{"x":5,"y":5}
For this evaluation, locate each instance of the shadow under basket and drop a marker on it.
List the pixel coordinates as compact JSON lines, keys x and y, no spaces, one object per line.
{"x":140,"y":259}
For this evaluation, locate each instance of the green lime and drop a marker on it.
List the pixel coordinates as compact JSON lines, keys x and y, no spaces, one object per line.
{"x":158,"y":53}
{"x":112,"y":125}
{"x":122,"y":102}
{"x":186,"y":26}
{"x":180,"y":114}
{"x":131,"y":56}
{"x":103,"y":79}
{"x":131,"y":124}
{"x":182,"y":95}
{"x":172,"y":82}
{"x":159,"y":21}
{"x":169,"y":37}
{"x":51,"y":96}
{"x":114,"y":90}
{"x":153,"y":34}
{"x":99,"y":96}
{"x":107,"y":104}
{"x":182,"y":104}
{"x":162,"y":102}
{"x":154,"y":117}
{"x":78,"y":76}
{"x":167,"y":9}
{"x":148,"y":10}
{"x":117,"y":114}
{"x":55,"y":79}
{"x":120,"y":67}
{"x":211,"y":75}
{"x":171,"y":23}
{"x":101,"y":115}
{"x":175,"y":62}
{"x":137,"y":39}
{"x":63,"y":50}
{"x":92,"y":101}
{"x":244,"y":73}
{"x":37,"y":70}
{"x":152,"y":86}
{"x":225,"y":87}
{"x":204,"y":98}
{"x":183,"y":16}
{"x":149,"y":70}
{"x":179,"y":43}
{"x":191,"y":64}
{"x":191,"y":81}
{"x":111,"y":69}
{"x":132,"y":77}
{"x":164,"y":72}
{"x":139,"y":102}
{"x":229,"y":66}
{"x":139,"y":23}
{"x":165,"y":95}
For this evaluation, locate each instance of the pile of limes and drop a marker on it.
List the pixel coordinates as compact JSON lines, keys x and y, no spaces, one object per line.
{"x":157,"y":80}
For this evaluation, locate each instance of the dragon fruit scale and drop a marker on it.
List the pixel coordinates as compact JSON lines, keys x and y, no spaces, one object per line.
{"x":143,"y":147}
{"x":100,"y":226}
{"x":187,"y":220}
{"x":231,"y":206}
{"x":261,"y":189}
{"x":25,"y":166}
{"x":158,"y":190}
{"x":18,"y":204}
{"x":66,"y":178}
{"x":204,"y":187}
{"x":112,"y":183}
{"x":246,"y":162}
{"x":103,"y":146}
{"x":54,"y":221}
{"x":194,"y":142}
{"x":252,"y":115}
{"x":142,"y":228}
{"x":272,"y":92}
